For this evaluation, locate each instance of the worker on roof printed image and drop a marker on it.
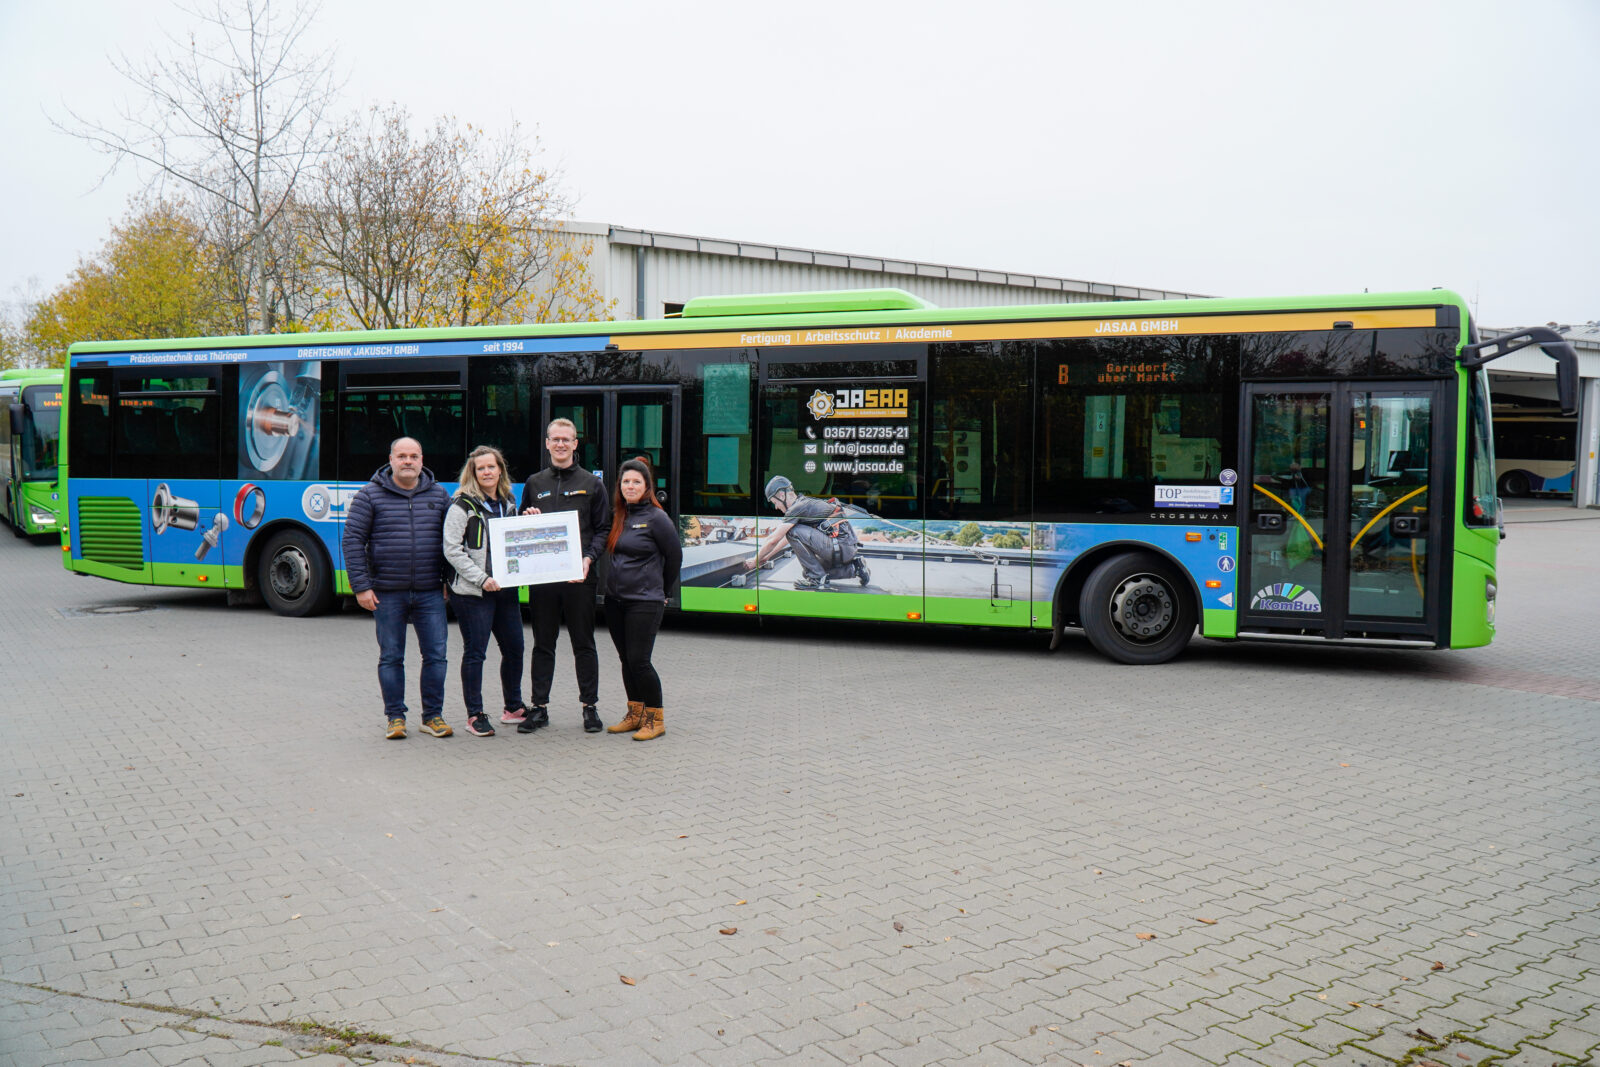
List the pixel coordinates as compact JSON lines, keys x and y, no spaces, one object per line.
{"x":822,"y":539}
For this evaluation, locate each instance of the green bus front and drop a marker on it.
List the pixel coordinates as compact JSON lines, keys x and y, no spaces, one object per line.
{"x":30,"y":491}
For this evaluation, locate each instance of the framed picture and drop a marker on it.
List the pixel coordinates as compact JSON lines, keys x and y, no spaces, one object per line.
{"x":536,"y":549}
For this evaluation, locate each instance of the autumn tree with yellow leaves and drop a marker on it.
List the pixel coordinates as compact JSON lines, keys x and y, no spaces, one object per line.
{"x":155,"y":277}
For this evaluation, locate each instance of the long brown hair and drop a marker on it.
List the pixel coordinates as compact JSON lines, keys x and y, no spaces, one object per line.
{"x":619,"y":505}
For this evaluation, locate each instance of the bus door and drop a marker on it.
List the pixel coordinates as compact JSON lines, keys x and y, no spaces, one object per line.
{"x":841,"y":431}
{"x":619,"y":422}
{"x":1338,"y":522}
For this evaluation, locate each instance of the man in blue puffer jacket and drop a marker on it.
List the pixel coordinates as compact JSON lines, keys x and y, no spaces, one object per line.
{"x":394,"y":555}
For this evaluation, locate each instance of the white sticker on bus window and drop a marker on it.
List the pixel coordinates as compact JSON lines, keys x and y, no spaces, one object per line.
{"x":1190,"y":496}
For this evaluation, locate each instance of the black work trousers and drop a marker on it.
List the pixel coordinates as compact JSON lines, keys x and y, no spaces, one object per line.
{"x":551,"y":605}
{"x":633,"y":625}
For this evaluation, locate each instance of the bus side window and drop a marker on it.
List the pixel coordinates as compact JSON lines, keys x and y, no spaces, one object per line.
{"x":146,"y":427}
{"x":90,"y":424}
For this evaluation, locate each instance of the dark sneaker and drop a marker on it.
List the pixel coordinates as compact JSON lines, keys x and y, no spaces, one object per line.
{"x":514,"y":716}
{"x":478,"y":726}
{"x":535,"y":718}
{"x":397,"y":730}
{"x":591,"y":720}
{"x":436,"y":726}
{"x":862,"y":572}
{"x":807,"y":583}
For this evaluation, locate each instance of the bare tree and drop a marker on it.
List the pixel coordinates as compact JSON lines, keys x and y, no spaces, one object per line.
{"x":453,"y":228}
{"x":236,"y":116}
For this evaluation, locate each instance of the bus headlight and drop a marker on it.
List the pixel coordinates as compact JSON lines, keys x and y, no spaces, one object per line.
{"x":41,"y":516}
{"x":1489,"y":591}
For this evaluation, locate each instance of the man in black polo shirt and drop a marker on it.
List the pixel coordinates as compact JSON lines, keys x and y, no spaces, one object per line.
{"x":565,"y":486}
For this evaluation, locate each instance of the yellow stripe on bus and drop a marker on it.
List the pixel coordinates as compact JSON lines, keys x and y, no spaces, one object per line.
{"x":1163,"y":326}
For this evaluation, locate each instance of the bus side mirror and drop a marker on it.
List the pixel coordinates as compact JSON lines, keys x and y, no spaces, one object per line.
{"x":1550,"y":343}
{"x":1566,"y":376}
{"x":18,"y":418}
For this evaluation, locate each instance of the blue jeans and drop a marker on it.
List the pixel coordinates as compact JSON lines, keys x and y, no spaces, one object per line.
{"x":498,"y":614}
{"x":424,"y":610}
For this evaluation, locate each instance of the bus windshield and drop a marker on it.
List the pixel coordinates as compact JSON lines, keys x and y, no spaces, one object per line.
{"x":41,"y":445}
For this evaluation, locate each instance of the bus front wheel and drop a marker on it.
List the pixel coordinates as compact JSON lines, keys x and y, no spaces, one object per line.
{"x":294,"y":575}
{"x":1136,"y":610}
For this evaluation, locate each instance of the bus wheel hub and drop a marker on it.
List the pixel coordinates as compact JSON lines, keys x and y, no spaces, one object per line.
{"x":291,"y":573}
{"x":1142,"y":607}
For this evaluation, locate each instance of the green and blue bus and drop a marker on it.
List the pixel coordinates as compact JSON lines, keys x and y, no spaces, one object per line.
{"x":30,"y":490}
{"x":1317,"y":469}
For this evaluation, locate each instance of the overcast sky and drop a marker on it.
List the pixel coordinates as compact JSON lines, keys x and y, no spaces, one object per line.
{"x":1223,"y":147}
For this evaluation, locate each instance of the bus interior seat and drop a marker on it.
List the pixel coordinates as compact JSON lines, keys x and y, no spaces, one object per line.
{"x":188,"y":426}
{"x":139,"y":430}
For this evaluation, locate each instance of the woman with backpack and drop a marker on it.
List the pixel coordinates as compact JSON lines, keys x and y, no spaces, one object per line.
{"x":646,"y":557}
{"x":482,"y":606}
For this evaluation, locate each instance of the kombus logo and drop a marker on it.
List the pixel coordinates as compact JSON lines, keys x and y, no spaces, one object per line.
{"x":1285,"y":596}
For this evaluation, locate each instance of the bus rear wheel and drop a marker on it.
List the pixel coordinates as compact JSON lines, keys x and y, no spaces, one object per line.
{"x":294,"y":576}
{"x":1136,"y":610}
{"x":1514,"y":483}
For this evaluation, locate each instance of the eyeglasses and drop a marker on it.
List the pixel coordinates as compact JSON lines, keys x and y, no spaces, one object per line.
{"x":561,"y":440}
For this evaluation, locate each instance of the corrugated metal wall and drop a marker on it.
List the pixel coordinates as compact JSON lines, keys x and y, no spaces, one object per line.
{"x":677,"y":268}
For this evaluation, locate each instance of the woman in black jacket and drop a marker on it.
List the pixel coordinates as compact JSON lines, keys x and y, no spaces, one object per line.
{"x":645,"y":559}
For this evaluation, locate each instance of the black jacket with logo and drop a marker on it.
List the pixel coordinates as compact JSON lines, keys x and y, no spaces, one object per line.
{"x":648,"y":556}
{"x":573,"y":489}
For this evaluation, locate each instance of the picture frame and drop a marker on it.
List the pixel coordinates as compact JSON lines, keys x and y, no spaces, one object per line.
{"x":535,"y":549}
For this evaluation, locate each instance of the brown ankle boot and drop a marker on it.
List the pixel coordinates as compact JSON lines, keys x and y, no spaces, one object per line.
{"x":653,"y":726}
{"x":634,"y":721}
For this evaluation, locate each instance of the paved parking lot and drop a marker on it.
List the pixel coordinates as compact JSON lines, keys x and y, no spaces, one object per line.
{"x":932,"y":847}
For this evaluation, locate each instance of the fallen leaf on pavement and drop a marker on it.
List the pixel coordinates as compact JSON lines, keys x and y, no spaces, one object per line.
{"x":1208,"y":922}
{"x":728,"y":930}
{"x":738,"y":902}
{"x":899,"y":928}
{"x":295,"y":916}
{"x":626,"y":980}
{"x":1145,"y":937}
{"x":1437,"y":966}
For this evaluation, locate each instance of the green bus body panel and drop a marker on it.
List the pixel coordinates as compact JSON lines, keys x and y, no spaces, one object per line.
{"x":1469,"y":621}
{"x":38,"y":494}
{"x":1219,"y":622}
{"x":852,"y":300}
{"x":197,"y":575}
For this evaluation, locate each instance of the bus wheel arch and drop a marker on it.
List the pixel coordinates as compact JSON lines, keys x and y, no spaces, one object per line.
{"x":1135,"y":603}
{"x":291,"y":570}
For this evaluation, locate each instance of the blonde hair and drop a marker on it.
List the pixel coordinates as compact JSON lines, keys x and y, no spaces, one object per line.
{"x":568,"y":423}
{"x":469,"y":476}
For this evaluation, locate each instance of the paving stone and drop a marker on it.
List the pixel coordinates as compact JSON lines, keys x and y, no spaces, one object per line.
{"x":318,"y":872}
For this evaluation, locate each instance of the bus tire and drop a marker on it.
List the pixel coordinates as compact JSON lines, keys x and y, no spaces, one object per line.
{"x":1515,"y":483}
{"x":1135,"y":609}
{"x":294,"y":575}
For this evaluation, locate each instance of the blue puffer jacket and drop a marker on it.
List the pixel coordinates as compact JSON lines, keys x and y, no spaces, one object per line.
{"x":394,"y":537}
